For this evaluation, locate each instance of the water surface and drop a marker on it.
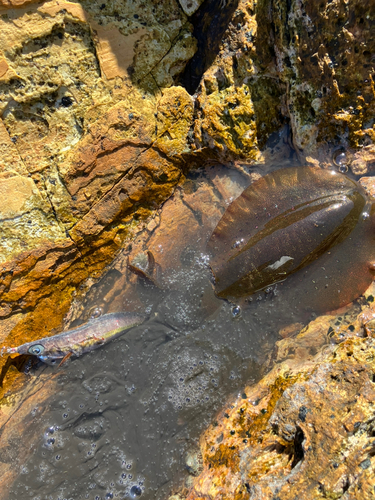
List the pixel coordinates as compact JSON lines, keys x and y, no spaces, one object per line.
{"x":122,"y":419}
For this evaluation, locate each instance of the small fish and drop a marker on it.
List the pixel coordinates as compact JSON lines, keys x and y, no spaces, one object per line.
{"x":83,"y":339}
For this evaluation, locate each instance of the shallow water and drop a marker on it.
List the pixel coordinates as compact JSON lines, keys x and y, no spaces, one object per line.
{"x":126,"y":415}
{"x":124,"y":418}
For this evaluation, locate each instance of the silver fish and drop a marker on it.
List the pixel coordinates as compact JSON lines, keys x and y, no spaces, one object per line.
{"x":78,"y":341}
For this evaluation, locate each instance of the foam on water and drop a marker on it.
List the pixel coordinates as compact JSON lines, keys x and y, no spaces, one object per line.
{"x":126,"y":415}
{"x":125,"y":420}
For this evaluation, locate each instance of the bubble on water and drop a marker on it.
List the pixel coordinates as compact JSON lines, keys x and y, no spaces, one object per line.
{"x":34,"y":411}
{"x":96,"y":312}
{"x":135,"y":491}
{"x":343,"y":169}
{"x":109,"y":496}
{"x":99,"y":385}
{"x":238,"y":243}
{"x":236,"y":311}
{"x":203,"y":259}
{"x":92,"y":429}
{"x":341,"y":159}
{"x":191,"y":380}
{"x":365,"y":215}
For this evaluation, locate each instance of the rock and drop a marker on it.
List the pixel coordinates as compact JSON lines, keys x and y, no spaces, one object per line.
{"x":24,"y":211}
{"x":105,"y":108}
{"x":276,"y":63}
{"x":363,"y":160}
{"x":16,"y":3}
{"x":368,"y":184}
{"x":304,"y":431}
{"x":85,"y":150}
{"x":190,"y":6}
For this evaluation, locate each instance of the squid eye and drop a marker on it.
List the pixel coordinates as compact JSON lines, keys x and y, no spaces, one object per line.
{"x":36,"y":349}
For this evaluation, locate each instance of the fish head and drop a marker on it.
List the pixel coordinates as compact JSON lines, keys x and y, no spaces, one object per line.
{"x":33,"y":348}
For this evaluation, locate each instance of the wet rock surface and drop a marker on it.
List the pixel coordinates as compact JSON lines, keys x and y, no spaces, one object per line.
{"x":305,"y":430}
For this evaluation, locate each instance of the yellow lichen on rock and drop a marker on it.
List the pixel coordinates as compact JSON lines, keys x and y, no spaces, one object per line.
{"x":238,"y":104}
{"x":174,"y":120}
{"x":227,"y":121}
{"x":305,"y":430}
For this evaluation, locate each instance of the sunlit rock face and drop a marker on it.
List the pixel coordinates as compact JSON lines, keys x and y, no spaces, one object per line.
{"x":305,"y":430}
{"x":309,"y":62}
{"x":89,"y":145}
